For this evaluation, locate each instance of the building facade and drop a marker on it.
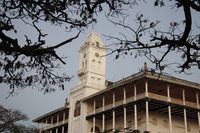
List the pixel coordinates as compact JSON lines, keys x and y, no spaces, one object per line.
{"x":144,"y":101}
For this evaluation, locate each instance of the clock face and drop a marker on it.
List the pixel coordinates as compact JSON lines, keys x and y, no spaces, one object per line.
{"x":97,"y":54}
{"x":84,"y":55}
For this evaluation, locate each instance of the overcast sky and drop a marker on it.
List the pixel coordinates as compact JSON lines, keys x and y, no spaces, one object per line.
{"x":35,"y":103}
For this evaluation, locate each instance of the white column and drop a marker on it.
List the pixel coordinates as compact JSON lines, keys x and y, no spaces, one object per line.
{"x":183,"y":93}
{"x":46,"y":124}
{"x":103,"y":102}
{"x":184,"y":111}
{"x":56,"y":130}
{"x":63,"y":117}
{"x":168,"y":93}
{"x":169,"y":109}
{"x":57,"y":118}
{"x":170,"y":119}
{"x":94,"y":117}
{"x":124,"y":117}
{"x":103,"y":122}
{"x":113,"y":99}
{"x":185,"y":120}
{"x":94,"y":105}
{"x":113,"y":120}
{"x":124,"y":90}
{"x":93,"y":125}
{"x":39,"y":127}
{"x":63,"y":129}
{"x":51,"y":121}
{"x":198,"y":114}
{"x":135,"y":92}
{"x":135,"y":112}
{"x":147,"y":106}
{"x":103,"y":116}
{"x":147,"y":116}
{"x":135,"y":107}
{"x":146,"y":88}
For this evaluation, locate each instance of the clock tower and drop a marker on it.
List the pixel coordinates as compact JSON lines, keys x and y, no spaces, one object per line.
{"x":92,"y":62}
{"x":91,"y":79}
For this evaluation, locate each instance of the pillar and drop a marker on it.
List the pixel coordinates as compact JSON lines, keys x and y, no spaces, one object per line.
{"x":125,"y":117}
{"x":63,"y":129}
{"x":93,"y":125}
{"x":63,"y":117}
{"x":135,"y":107}
{"x":198,"y":114}
{"x":147,"y":116}
{"x":185,"y":120}
{"x":94,"y":106}
{"x":103,"y":102}
{"x":46,"y":124}
{"x":103,"y":122}
{"x":169,"y":109}
{"x":51,"y":121}
{"x":147,"y":106}
{"x":124,"y":91}
{"x":94,"y":117}
{"x":184,"y":111}
{"x":103,"y":116}
{"x":57,"y":118}
{"x":146,"y":88}
{"x":170,"y":119}
{"x":168,"y":93}
{"x":113,"y":99}
{"x":113,"y":120}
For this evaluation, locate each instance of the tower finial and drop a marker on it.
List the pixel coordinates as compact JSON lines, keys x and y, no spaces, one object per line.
{"x":145,"y":66}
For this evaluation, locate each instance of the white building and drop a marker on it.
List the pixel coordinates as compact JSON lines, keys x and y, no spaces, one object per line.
{"x":142,"y":101}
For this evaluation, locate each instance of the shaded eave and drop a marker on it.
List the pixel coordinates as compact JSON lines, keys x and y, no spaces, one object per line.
{"x":50,"y":113}
{"x":147,"y":75}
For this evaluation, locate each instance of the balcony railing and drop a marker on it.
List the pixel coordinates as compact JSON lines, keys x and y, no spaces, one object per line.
{"x":141,"y":96}
{"x":54,"y":125}
{"x":83,"y":85}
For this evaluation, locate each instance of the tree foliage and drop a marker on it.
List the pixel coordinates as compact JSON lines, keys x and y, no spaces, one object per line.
{"x":9,"y":119}
{"x":178,"y":38}
{"x":19,"y":59}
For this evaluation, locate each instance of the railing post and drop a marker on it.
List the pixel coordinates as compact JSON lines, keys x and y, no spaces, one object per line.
{"x":113,"y":121}
{"x":124,"y":91}
{"x":113,"y":99}
{"x":198,"y":114}
{"x":146,"y":88}
{"x":94,"y":106}
{"x":103,"y":102}
{"x":168,"y":93}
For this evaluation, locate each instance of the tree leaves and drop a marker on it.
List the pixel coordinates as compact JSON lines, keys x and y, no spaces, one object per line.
{"x":9,"y":119}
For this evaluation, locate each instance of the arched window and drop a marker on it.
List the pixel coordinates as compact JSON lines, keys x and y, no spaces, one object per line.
{"x":97,"y":130}
{"x":77,"y":110}
{"x":154,"y":121}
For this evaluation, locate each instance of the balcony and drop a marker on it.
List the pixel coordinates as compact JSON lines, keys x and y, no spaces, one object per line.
{"x":81,"y":72}
{"x":142,"y":96}
{"x":54,"y":125}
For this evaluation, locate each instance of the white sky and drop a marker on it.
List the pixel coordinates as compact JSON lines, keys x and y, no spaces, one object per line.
{"x":35,"y":104}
